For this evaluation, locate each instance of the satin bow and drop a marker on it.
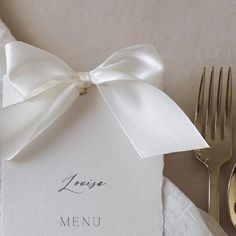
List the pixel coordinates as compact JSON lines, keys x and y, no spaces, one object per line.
{"x":152,"y":122}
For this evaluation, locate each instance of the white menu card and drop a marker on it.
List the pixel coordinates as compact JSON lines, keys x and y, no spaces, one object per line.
{"x":82,"y":177}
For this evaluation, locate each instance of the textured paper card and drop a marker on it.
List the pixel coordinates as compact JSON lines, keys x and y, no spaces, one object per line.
{"x":82,"y":177}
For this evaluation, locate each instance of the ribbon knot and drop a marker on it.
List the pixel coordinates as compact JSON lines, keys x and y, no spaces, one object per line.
{"x":86,"y":81}
{"x":151,"y":121}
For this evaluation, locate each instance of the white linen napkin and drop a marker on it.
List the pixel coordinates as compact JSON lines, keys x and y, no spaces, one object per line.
{"x":181,"y":216}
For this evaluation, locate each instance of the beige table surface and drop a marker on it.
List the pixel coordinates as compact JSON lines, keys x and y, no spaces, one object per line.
{"x":188,"y":34}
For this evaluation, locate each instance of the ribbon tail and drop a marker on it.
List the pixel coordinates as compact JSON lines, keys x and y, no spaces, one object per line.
{"x":21,"y":123}
{"x":153,"y":122}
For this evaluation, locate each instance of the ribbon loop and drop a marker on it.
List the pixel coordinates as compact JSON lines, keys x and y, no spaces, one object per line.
{"x":152,"y":122}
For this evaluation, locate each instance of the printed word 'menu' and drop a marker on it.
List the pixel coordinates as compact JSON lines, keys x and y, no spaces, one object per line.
{"x":76,"y":221}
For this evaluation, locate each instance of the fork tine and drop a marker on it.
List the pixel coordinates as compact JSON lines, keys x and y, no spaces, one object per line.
{"x":200,"y":100}
{"x":219,"y":92}
{"x":228,"y":108}
{"x":228,"y":104}
{"x":218,"y":117}
{"x":208,"y":123}
{"x":210,"y":96}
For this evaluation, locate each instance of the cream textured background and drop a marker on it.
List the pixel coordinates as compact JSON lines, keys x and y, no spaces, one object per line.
{"x":188,"y":34}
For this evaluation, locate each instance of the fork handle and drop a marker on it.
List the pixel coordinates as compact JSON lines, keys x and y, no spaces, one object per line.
{"x":213,"y":197}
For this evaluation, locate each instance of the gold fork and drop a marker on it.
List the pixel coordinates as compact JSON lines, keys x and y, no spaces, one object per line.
{"x":214,"y":122}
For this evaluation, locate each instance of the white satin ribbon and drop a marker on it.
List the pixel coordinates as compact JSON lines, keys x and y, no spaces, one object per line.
{"x":152,"y":122}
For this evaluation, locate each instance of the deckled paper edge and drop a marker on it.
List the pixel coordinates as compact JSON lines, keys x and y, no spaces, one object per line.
{"x":161,"y":194}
